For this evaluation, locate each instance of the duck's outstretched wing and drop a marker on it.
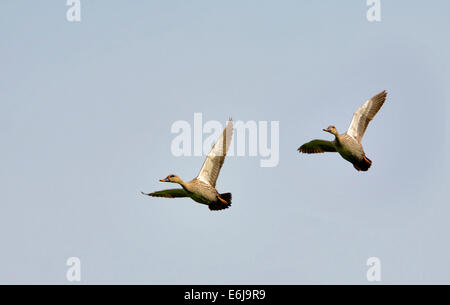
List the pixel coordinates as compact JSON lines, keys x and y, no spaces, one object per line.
{"x":216,"y":157}
{"x":170,"y":193}
{"x":364,"y":115}
{"x":317,"y":146}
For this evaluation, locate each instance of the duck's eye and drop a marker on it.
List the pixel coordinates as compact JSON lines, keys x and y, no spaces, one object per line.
{"x":171,"y":176}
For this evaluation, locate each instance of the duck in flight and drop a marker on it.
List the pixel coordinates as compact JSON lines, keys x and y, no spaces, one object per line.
{"x":348,"y":144}
{"x":202,"y":188}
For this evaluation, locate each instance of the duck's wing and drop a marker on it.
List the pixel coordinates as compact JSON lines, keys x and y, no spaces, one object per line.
{"x":364,"y":115}
{"x":170,"y":193}
{"x":317,"y":146}
{"x":216,"y":157}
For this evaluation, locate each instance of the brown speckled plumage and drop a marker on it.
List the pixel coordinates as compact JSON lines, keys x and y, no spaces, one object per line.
{"x":202,"y":188}
{"x":348,"y":144}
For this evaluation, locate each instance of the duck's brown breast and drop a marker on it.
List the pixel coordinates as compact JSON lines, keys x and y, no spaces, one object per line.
{"x":349,"y":148}
{"x":202,"y":192}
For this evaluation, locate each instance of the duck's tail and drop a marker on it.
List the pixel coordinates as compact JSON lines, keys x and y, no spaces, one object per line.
{"x":223,"y":202}
{"x":363,"y":165}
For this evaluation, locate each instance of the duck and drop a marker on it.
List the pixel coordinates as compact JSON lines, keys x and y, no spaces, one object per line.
{"x":348,"y":144}
{"x":202,"y":188}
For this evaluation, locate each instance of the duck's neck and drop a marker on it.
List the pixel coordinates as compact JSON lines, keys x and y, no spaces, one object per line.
{"x":182,"y":183}
{"x":336,"y":135}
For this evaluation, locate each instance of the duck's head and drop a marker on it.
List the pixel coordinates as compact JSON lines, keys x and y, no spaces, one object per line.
{"x":171,"y":178}
{"x":331,"y":129}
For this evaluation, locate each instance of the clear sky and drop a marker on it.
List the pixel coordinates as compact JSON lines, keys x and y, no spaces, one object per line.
{"x":85,"y":115}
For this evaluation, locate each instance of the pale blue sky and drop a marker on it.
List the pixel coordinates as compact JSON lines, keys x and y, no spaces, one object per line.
{"x":85,"y":116}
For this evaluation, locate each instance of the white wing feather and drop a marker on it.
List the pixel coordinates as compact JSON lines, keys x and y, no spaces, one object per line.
{"x":216,"y":157}
{"x":363,"y":116}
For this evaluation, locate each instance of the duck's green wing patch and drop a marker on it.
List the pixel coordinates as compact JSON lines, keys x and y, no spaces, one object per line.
{"x":317,"y":146}
{"x":170,"y":193}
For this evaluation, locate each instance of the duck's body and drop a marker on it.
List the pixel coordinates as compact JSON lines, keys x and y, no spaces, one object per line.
{"x":202,"y":188}
{"x":201,"y":192}
{"x":205,"y":193}
{"x":352,"y":151}
{"x":348,"y":144}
